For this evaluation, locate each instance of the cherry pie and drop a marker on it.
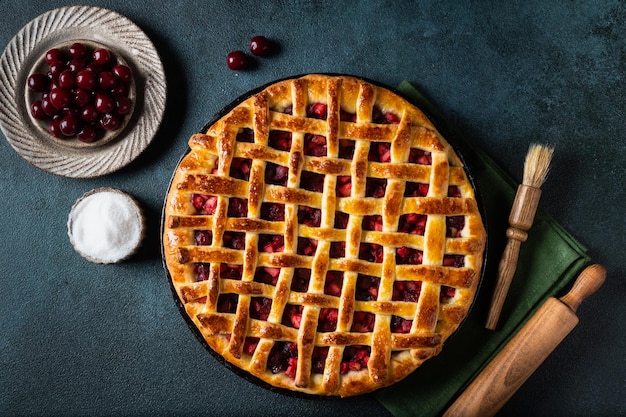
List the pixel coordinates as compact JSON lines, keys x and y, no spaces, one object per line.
{"x":323,"y":236}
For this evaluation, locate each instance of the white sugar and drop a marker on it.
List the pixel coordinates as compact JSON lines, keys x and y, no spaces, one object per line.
{"x":105,"y":226}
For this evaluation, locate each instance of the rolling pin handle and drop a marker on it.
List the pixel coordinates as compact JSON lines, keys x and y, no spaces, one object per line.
{"x":588,"y":282}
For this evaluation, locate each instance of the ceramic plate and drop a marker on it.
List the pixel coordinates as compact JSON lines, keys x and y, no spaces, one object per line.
{"x":98,"y":25}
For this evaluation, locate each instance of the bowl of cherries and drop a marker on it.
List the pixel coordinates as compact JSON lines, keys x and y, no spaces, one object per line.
{"x":80,"y":93}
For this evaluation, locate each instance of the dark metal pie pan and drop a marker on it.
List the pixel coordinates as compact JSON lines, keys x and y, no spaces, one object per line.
{"x":238,"y":371}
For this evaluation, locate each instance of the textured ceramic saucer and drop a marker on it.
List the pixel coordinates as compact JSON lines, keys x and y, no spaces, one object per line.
{"x":101,"y":26}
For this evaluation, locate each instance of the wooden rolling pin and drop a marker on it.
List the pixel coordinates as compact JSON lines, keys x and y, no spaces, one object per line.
{"x":523,"y":354}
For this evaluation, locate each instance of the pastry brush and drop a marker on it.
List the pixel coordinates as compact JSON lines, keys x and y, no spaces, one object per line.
{"x":536,"y":167}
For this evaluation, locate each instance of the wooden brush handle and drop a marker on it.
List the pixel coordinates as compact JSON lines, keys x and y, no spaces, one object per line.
{"x":512,"y":366}
{"x":521,"y":219}
{"x":524,"y":207}
{"x":506,"y":270}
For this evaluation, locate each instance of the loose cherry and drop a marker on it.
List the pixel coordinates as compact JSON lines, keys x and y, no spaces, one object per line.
{"x":237,"y":60}
{"x":261,"y":46}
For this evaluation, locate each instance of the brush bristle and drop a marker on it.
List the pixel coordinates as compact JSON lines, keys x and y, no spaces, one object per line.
{"x":537,"y":165}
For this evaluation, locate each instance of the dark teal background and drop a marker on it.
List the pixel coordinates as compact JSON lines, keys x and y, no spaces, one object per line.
{"x":83,"y":339}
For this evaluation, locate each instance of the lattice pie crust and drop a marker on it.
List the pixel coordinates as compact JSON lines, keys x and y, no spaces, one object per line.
{"x":323,"y":236}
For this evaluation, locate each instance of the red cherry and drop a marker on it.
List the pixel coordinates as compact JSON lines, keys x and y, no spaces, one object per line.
{"x":101,"y":56}
{"x":53,"y":55}
{"x":76,"y":65}
{"x":77,"y":50}
{"x":87,"y":134}
{"x":86,"y":79}
{"x":92,"y":66}
{"x":237,"y":60}
{"x":38,"y":82}
{"x":89,"y":113}
{"x":69,"y":125}
{"x":122,"y":105}
{"x":71,"y":111}
{"x":55,"y":69}
{"x":66,"y":79}
{"x":60,"y":97}
{"x":36,"y":110}
{"x":261,"y":46}
{"x":48,"y":107}
{"x":120,"y":89}
{"x":109,"y":122}
{"x":106,"y":80}
{"x":104,"y":103}
{"x":55,"y":129}
{"x":122,"y":72}
{"x":81,"y":97}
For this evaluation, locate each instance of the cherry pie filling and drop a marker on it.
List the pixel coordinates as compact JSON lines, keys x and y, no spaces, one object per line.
{"x":283,"y":355}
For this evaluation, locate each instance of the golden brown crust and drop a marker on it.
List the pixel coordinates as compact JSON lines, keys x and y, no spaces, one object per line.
{"x":205,"y":170}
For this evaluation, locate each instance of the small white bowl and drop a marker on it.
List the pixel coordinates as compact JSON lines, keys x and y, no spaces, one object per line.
{"x":106,"y":225}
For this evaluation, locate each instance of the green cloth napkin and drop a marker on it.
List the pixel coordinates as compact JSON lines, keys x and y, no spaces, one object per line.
{"x":548,"y":261}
